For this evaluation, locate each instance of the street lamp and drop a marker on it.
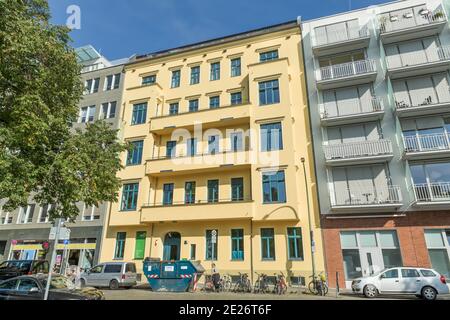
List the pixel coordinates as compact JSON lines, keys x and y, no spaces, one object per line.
{"x":311,"y":232}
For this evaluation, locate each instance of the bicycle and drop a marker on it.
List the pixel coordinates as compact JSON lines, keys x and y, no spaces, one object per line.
{"x":280,"y":284}
{"x":261,"y":284}
{"x":226,"y":282}
{"x":243,"y":284}
{"x":318,"y":285}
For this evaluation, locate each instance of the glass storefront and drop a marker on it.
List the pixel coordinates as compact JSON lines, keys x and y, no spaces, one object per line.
{"x":438,"y":244}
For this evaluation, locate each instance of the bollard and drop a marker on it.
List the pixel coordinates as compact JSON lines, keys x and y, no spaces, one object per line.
{"x":337,"y":284}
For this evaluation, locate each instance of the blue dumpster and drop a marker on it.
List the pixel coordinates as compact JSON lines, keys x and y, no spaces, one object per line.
{"x":171,"y":276}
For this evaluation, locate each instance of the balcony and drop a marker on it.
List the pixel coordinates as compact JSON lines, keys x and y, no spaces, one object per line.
{"x":414,"y":27}
{"x":367,"y":198}
{"x":208,"y":118}
{"x":414,"y":64}
{"x":224,"y":209}
{"x":432,"y":195}
{"x":427,"y":146}
{"x":346,"y":74}
{"x":355,"y":112}
{"x":340,"y":41}
{"x":227,"y":160}
{"x":376,"y":151}
{"x":428,"y":106}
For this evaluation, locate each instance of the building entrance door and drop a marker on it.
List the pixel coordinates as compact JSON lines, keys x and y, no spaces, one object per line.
{"x":172,"y":245}
{"x":371,"y":261}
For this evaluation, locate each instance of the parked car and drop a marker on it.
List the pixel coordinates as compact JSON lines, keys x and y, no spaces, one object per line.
{"x":14,"y":268}
{"x":422,"y":282}
{"x":114,"y":275}
{"x":33,"y":288}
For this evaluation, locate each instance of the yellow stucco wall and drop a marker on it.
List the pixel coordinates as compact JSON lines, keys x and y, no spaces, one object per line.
{"x":192,"y":221}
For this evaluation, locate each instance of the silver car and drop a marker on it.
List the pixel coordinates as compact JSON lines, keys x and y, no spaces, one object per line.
{"x":422,"y":282}
{"x":114,"y":275}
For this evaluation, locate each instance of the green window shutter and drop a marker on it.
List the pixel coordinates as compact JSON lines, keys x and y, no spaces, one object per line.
{"x":139,"y":251}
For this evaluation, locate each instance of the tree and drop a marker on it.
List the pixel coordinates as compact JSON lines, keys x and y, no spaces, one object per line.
{"x":40,"y":87}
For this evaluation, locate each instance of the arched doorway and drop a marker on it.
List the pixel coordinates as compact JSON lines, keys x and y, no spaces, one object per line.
{"x":172,"y":245}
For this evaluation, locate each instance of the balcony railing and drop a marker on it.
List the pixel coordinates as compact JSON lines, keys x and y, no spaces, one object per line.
{"x":414,"y":21}
{"x":420,"y":100}
{"x":345,"y":108}
{"x":193,"y":202}
{"x":184,"y":155}
{"x":427,"y":142}
{"x":346,"y":69}
{"x":431,"y":192}
{"x":341,"y":35}
{"x":367,"y":195}
{"x":413,"y":59}
{"x":358,"y":149}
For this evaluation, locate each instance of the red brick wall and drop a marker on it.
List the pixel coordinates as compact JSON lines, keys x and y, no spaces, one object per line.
{"x":410,"y":231}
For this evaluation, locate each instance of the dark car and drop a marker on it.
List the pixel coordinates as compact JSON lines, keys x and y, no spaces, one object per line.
{"x":15,"y":268}
{"x":33,"y":288}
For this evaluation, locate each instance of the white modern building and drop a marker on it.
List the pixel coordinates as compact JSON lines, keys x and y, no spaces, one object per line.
{"x":379,"y":96}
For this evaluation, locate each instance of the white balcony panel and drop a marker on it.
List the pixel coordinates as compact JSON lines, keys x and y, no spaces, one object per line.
{"x":341,"y":39}
{"x":429,"y":146}
{"x":358,"y":152}
{"x":351,"y":111}
{"x":432,"y":195}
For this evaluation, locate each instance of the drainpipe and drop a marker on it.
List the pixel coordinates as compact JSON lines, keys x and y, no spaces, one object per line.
{"x":311,"y":232}
{"x":251,"y":250}
{"x":151,"y":240}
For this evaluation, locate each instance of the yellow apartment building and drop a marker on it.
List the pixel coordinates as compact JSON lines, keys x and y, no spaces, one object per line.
{"x":219,"y":129}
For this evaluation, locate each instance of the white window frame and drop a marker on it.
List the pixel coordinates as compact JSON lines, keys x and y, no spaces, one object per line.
{"x":113,"y":80}
{"x":90,"y":90}
{"x":7,"y":217}
{"x":102,"y":116}
{"x":91,"y":216}
{"x":40,"y":214}
{"x":25,"y":214}
{"x":444,"y":238}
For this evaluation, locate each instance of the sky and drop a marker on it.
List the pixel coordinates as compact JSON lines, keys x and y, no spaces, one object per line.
{"x":121,"y":28}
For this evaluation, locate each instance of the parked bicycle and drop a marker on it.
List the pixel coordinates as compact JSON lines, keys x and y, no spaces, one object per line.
{"x":318,"y":285}
{"x":243,"y":284}
{"x":261,"y":284}
{"x":226,"y":282}
{"x":280,"y":284}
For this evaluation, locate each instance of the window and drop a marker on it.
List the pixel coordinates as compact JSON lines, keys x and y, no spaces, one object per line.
{"x":87,"y":114}
{"x":236,"y":141}
{"x":391,"y":274}
{"x":9,"y":285}
{"x":214,"y":102}
{"x":135,"y":154}
{"x":113,"y":268}
{"x":168,"y":194}
{"x":120,"y":245}
{"x":271,"y":137}
{"x":237,"y":189}
{"x":195,"y":75}
{"x":410,"y":273}
{"x":171,"y":149}
{"x":268,"y":55}
{"x":44,"y":213}
{"x":274,"y":189}
{"x":191,"y":147}
{"x":438,"y":244}
{"x":237,"y":244}
{"x":295,"y":245}
{"x":189,"y":191}
{"x":147,"y":80}
{"x":269,"y":92}
{"x":215,"y":71}
{"x":112,"y":82}
{"x":139,"y":250}
{"x":89,"y":213}
{"x":26,"y":214}
{"x":193,"y":251}
{"x":91,"y":86}
{"x":25,"y":285}
{"x":267,"y":244}
{"x":193,"y":105}
{"x":236,"y":67}
{"x":213,"y":191}
{"x":427,"y":273}
{"x":139,"y":114}
{"x":173,"y":108}
{"x":176,"y":74}
{"x":236,"y":98}
{"x":108,"y":110}
{"x":129,"y":196}
{"x":6,"y":217}
{"x":211,"y":248}
{"x":213,"y":144}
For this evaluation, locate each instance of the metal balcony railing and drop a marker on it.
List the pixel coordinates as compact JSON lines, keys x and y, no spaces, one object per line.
{"x":413,"y":58}
{"x":427,"y":142}
{"x":430,"y":192}
{"x":341,"y":35}
{"x":404,"y":22}
{"x":192,"y":201}
{"x":367,"y":195}
{"x":345,"y":108}
{"x":358,"y":149}
{"x":346,"y":69}
{"x":419,"y":99}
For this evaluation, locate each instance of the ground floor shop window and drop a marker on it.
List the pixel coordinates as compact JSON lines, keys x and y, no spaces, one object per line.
{"x":367,"y":252}
{"x":438,"y":244}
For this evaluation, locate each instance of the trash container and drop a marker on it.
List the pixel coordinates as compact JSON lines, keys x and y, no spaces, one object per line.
{"x":171,"y":276}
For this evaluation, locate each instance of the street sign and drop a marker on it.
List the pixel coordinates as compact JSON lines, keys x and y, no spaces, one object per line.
{"x":214,"y":236}
{"x":66,"y":242}
{"x":64,"y":234}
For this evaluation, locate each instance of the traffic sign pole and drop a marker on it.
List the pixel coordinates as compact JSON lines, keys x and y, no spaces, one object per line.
{"x":52,"y":262}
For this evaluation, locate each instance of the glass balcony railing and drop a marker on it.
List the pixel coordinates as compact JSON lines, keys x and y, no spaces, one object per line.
{"x":348,"y":69}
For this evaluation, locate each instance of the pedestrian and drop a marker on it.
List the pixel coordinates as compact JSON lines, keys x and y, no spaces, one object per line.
{"x":215,"y":276}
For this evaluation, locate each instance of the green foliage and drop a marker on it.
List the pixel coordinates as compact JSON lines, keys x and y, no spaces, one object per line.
{"x":40,"y":88}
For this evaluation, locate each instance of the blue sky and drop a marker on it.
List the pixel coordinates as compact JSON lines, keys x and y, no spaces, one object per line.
{"x":120,"y":28}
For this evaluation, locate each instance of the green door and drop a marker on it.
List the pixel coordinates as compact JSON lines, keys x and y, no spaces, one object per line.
{"x":139,"y":251}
